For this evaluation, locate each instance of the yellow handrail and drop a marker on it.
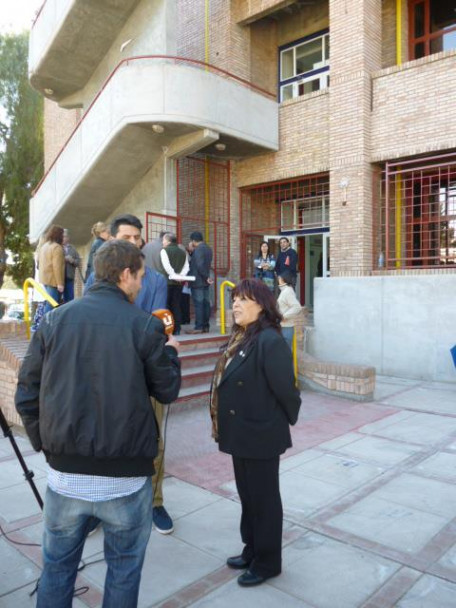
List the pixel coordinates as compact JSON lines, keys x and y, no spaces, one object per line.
{"x":222,"y":304}
{"x":32,"y":283}
{"x":294,"y":351}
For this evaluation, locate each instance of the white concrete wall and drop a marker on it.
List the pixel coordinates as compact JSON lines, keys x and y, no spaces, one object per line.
{"x":148,"y":91}
{"x":42,"y":33}
{"x":150,"y":33}
{"x":403,"y":325}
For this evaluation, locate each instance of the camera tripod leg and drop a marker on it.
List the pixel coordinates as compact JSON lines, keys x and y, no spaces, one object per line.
{"x":28,"y":474}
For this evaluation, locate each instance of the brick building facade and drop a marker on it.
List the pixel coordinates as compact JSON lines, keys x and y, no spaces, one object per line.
{"x":352,"y":154}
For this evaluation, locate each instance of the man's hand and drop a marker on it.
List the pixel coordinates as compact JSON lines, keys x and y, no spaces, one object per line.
{"x":210,"y":281}
{"x":60,"y":288}
{"x":173,"y":342}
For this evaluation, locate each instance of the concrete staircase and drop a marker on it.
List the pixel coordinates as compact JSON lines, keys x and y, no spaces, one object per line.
{"x":198,"y":356}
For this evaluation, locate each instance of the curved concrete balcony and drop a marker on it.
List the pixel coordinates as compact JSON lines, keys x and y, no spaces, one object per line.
{"x":148,"y":107}
{"x":68,"y":40}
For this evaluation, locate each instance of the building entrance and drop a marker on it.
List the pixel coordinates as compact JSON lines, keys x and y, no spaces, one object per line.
{"x":313,"y":260}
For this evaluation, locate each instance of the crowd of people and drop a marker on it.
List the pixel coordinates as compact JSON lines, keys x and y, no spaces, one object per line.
{"x":98,"y":415}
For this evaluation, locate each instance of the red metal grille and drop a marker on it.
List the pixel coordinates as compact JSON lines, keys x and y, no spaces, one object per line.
{"x":156,"y":223}
{"x":417,"y":214}
{"x":298,"y":206}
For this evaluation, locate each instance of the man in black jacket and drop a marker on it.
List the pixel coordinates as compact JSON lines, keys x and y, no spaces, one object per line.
{"x":200,"y":268}
{"x":287,"y":259}
{"x":84,"y":397}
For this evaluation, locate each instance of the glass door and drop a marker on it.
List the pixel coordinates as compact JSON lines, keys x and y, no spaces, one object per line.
{"x":316,"y":263}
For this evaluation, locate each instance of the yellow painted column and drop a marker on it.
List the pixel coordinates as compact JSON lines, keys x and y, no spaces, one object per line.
{"x":206,"y":32}
{"x":207,"y":208}
{"x":398,"y":182}
{"x":399,"y":32}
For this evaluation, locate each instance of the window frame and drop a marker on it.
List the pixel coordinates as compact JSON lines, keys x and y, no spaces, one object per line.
{"x":428,"y":36}
{"x":320,"y":73}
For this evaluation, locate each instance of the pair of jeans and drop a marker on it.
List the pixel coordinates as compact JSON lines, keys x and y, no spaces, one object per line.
{"x":287,"y":333}
{"x":202,"y":305}
{"x":68,"y":292}
{"x":127,"y":523}
{"x":54,"y":293}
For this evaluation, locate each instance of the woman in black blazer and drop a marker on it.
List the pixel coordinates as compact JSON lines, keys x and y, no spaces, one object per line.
{"x":253,"y":401}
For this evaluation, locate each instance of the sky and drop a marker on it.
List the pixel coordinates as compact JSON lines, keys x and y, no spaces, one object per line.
{"x":17,"y":15}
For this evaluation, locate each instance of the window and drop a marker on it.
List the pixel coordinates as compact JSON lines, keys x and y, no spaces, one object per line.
{"x":418,"y":213}
{"x":432,"y":27}
{"x":307,"y":213}
{"x":304,"y":66}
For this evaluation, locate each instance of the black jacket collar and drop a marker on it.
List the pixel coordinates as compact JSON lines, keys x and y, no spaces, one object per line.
{"x":104,"y":287}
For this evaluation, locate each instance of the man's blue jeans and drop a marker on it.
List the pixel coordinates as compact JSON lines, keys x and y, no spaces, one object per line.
{"x":202,"y":305}
{"x":288,"y":333}
{"x":54,"y":293}
{"x":68,"y":292}
{"x":127,"y":523}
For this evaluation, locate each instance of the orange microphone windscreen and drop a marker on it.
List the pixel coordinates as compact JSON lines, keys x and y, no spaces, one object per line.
{"x":166,"y":317}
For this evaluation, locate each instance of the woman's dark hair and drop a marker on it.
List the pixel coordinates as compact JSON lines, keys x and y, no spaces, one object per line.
{"x":113,"y":257}
{"x":260,"y":253}
{"x":286,"y":277}
{"x":55,"y":234}
{"x":256,"y":290}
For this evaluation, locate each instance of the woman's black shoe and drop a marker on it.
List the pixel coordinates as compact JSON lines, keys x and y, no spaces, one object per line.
{"x":250,"y":579}
{"x":237,"y":562}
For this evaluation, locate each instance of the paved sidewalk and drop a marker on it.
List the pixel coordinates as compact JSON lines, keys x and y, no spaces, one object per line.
{"x":370,"y":511}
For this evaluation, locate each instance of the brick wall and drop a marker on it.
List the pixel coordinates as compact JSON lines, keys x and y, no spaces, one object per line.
{"x":355,"y":24}
{"x":389,"y":17}
{"x":303,"y":21}
{"x":246,"y":11}
{"x":13,"y":346}
{"x":58,"y":126}
{"x":304,"y":143}
{"x":413,"y":108}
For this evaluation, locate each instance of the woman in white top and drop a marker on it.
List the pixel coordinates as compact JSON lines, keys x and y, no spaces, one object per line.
{"x":289,"y":306}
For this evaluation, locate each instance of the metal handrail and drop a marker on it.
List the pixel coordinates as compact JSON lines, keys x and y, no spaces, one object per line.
{"x":294,"y":350}
{"x":32,"y":283}
{"x":222,"y":304}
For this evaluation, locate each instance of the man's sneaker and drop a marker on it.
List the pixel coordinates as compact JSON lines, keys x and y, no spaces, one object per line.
{"x":162,"y":521}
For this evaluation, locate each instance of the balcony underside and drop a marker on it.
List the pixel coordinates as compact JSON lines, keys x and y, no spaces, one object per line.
{"x":69,"y":39}
{"x":118,"y":140}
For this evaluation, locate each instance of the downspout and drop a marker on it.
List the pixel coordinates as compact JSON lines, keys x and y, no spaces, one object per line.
{"x":399,"y":32}
{"x":206,"y":199}
{"x":206,"y":32}
{"x":206,"y":161}
{"x":398,"y":180}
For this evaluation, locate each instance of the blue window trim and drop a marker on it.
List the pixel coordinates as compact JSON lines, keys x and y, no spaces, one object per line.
{"x":290,"y":45}
{"x":302,"y":76}
{"x":304,"y":231}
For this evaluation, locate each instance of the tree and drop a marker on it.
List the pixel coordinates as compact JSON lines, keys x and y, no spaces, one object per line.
{"x":21,"y":155}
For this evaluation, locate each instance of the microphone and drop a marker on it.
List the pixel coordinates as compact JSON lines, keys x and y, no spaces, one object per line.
{"x":166,"y":317}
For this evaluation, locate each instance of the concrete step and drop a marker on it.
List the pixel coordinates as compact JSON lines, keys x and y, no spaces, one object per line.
{"x":195,"y":376}
{"x":193,"y":396}
{"x":201,"y":342}
{"x":195,"y":358}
